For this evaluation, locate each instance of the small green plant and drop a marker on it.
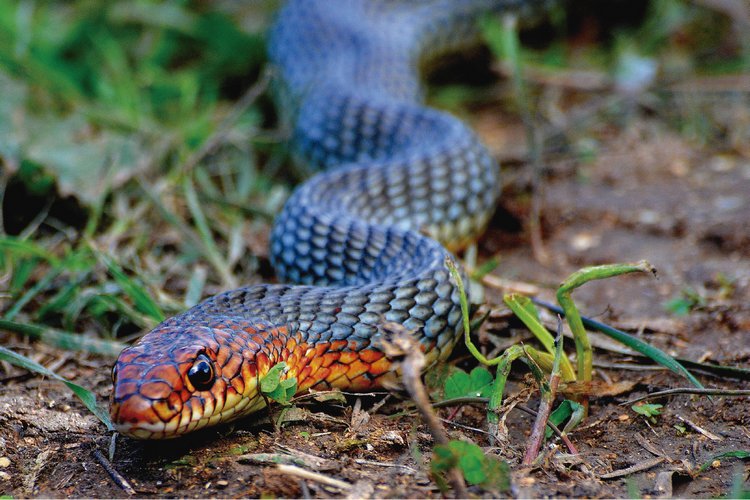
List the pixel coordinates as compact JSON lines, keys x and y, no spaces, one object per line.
{"x":477,"y":468}
{"x":276,"y":388}
{"x":687,"y":301}
{"x":649,"y":410}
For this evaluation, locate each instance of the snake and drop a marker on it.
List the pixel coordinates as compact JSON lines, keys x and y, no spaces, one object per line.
{"x":396,"y":188}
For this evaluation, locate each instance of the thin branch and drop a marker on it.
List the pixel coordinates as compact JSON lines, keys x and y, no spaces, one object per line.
{"x":403,"y":345}
{"x":639,"y":467}
{"x":117,"y":478}
{"x":301,"y":473}
{"x":478,"y":400}
{"x":690,"y":390}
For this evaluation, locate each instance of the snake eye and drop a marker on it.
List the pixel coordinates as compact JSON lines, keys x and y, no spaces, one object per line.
{"x":201,"y":374}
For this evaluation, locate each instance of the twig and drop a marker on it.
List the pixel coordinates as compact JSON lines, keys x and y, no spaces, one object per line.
{"x":710,"y":435}
{"x":463,"y":426}
{"x":301,"y":473}
{"x":404,"y":346}
{"x":116,"y":476}
{"x":690,"y":390}
{"x":313,"y":393}
{"x":639,"y":467}
{"x":305,"y":489}
{"x":479,"y":400}
{"x":362,"y":461}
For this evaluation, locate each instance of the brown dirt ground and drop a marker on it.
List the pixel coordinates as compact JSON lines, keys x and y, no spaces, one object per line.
{"x":647,"y":193}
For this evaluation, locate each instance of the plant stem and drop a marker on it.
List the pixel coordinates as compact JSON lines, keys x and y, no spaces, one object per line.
{"x":583,"y":346}
{"x":496,"y":397}
{"x":545,"y":405}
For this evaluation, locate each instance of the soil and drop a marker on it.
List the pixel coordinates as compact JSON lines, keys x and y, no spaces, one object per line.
{"x":647,"y":193}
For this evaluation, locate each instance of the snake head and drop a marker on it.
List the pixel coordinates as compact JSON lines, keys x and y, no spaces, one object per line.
{"x":180,"y":378}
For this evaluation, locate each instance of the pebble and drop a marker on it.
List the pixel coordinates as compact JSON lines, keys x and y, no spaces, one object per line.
{"x":4,"y":462}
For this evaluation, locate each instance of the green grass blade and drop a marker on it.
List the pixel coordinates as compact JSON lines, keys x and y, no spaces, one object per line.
{"x":62,"y":339}
{"x":87,"y":397}
{"x":210,"y":250}
{"x":634,"y":343}
{"x":524,"y":309}
{"x":141,"y":299}
{"x":26,"y":249}
{"x":32,"y":292}
{"x":729,"y":454}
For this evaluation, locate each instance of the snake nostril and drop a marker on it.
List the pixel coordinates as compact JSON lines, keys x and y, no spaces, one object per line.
{"x":201,"y":374}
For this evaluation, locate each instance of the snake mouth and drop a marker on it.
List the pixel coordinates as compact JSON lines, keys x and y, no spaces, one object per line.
{"x":135,"y":418}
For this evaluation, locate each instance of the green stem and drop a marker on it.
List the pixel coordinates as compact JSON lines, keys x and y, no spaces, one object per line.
{"x":524,"y":309}
{"x":583,"y":346}
{"x":465,"y":317}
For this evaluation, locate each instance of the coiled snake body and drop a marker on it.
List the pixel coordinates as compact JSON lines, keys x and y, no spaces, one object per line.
{"x":351,"y":237}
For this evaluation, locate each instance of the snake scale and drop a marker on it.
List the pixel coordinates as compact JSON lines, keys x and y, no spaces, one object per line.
{"x":359,"y":240}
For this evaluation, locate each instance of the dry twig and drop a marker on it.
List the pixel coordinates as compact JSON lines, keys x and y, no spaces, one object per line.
{"x":301,"y":473}
{"x":117,"y":478}
{"x":403,"y":345}
{"x":690,"y":390}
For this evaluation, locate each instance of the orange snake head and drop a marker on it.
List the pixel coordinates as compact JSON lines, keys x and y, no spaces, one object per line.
{"x":182,"y":377}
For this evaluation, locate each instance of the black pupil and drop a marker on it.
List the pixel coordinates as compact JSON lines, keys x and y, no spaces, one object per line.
{"x":201,"y":374}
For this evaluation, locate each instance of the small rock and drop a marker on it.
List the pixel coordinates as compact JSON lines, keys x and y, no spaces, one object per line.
{"x":393,"y":437}
{"x":4,"y":462}
{"x":585,"y":241}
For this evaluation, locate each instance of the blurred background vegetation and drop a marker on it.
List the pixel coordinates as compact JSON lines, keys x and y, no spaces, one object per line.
{"x":141,"y":161}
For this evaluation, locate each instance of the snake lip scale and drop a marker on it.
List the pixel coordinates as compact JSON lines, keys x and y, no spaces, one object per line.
{"x":361,"y":240}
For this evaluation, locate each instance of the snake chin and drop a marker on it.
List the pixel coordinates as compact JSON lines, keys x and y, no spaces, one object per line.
{"x":141,"y":428}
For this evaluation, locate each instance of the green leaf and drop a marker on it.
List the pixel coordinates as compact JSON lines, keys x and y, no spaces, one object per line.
{"x":274,"y":387}
{"x":728,"y":454}
{"x":457,"y":385}
{"x":679,"y":306}
{"x":481,"y":382}
{"x":648,"y":409}
{"x":270,"y":380}
{"x":461,"y":384}
{"x":485,"y":269}
{"x":526,"y":311}
{"x":284,"y":392}
{"x":476,"y":467}
{"x":565,"y":410}
{"x":87,"y":397}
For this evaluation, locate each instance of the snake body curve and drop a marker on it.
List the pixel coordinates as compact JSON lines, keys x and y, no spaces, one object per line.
{"x":356,"y":238}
